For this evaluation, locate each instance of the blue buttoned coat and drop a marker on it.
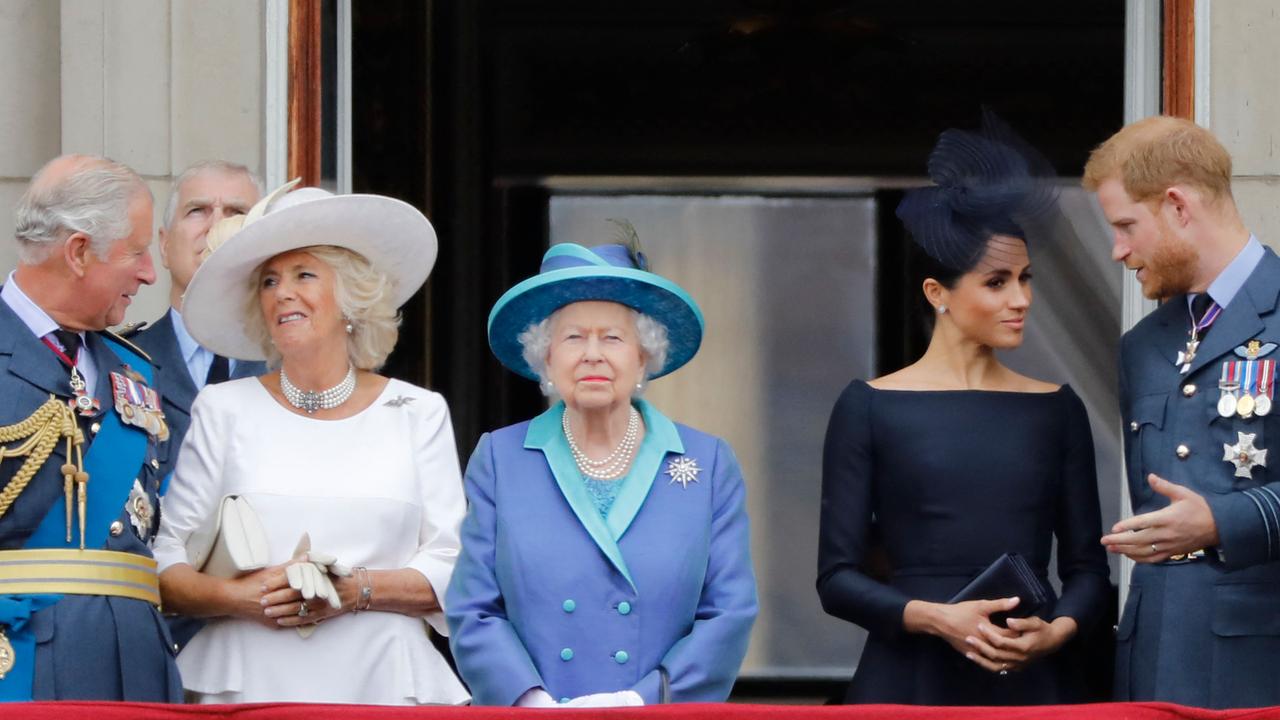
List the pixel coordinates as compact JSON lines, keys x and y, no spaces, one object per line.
{"x":548,"y":593}
{"x":88,"y":647}
{"x":1204,"y":633}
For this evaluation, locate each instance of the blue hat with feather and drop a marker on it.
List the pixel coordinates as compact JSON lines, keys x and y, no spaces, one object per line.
{"x":988,"y":182}
{"x":615,"y":273}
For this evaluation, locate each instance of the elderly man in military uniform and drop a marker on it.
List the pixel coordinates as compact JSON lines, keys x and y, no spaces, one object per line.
{"x":202,"y":195}
{"x":1201,"y":625}
{"x":80,"y":426}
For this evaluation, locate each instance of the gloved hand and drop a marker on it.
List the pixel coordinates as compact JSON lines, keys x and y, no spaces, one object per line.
{"x":313,"y":582}
{"x":622,"y":698}
{"x":328,"y":563}
{"x":537,"y":698}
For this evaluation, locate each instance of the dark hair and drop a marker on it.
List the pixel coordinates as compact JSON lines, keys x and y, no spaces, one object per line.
{"x":923,"y":266}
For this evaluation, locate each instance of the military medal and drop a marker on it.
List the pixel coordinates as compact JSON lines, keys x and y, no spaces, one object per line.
{"x":141,"y":512}
{"x":138,"y":405}
{"x":1187,"y":356}
{"x":1228,"y":385}
{"x":1227,"y":404}
{"x":1244,"y":406}
{"x":7,"y":655}
{"x":1266,"y":381}
{"x":1244,"y":455}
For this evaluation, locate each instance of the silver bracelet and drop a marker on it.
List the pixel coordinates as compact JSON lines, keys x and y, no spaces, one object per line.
{"x":364,"y":600}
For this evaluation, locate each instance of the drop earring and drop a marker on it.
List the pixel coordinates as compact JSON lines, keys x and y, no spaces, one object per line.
{"x":350,"y":328}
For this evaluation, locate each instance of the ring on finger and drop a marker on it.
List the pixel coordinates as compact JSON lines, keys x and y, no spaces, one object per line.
{"x":1154,"y":549}
{"x":303,"y":610}
{"x":1004,"y":668}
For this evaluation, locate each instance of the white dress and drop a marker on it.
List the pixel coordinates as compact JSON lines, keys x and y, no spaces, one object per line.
{"x":380,"y":489}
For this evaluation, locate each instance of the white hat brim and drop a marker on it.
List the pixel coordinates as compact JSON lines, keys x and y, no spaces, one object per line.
{"x":394,"y":236}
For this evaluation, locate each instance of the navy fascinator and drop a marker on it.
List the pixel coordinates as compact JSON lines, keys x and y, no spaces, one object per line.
{"x":989,"y":182}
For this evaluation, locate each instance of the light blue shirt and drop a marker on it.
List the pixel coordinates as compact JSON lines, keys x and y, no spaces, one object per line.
{"x":34,"y":317}
{"x":197,"y":358}
{"x":1224,"y":288}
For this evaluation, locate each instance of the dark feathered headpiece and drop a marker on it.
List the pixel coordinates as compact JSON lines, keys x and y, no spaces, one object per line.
{"x":988,"y":182}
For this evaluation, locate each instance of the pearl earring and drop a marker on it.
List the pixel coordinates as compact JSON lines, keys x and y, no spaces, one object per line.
{"x":639,"y":386}
{"x":350,"y":327}
{"x":942,"y":309}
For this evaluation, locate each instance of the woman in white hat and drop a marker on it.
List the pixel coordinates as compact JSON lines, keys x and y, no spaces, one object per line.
{"x":605,"y":557}
{"x":364,"y":466}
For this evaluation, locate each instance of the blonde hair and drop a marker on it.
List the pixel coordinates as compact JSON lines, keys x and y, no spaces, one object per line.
{"x":365,"y":296}
{"x":1154,"y":154}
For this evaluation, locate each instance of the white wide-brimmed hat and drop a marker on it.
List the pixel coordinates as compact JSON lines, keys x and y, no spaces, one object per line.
{"x":392,"y":235}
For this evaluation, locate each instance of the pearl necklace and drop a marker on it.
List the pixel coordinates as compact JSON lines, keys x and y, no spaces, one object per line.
{"x":616,"y":464}
{"x":311,"y":401}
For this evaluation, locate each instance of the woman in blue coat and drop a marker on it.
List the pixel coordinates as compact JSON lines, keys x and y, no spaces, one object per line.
{"x":605,"y":553}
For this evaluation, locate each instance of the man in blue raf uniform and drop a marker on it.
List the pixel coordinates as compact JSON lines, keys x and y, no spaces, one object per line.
{"x":202,"y":195}
{"x":1201,"y":625}
{"x":81,"y":426}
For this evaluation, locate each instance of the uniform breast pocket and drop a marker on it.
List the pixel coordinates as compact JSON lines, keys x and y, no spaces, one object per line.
{"x":1146,"y":424}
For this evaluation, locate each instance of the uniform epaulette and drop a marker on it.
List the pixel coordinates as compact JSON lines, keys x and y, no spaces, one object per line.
{"x":127,"y":343}
{"x":128,"y":330}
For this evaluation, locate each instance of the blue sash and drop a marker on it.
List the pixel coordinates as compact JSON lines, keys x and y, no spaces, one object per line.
{"x":113,"y":462}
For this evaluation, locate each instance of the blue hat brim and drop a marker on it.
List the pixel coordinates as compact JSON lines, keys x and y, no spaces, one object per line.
{"x":533,"y":300}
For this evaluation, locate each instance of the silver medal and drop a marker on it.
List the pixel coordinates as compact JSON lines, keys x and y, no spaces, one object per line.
{"x":1261,"y":405}
{"x":1227,"y":405}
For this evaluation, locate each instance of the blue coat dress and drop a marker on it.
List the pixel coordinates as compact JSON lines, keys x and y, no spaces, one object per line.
{"x":88,"y":647}
{"x":1204,"y":633}
{"x":549,"y":593}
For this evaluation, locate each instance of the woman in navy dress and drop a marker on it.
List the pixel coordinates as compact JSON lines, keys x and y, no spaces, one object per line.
{"x":956,"y":460}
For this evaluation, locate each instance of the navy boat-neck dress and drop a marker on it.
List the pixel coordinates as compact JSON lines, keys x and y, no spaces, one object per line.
{"x":949,"y":481}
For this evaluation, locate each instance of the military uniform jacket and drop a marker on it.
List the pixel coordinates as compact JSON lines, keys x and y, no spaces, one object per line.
{"x":173,"y":382}
{"x":88,"y":647}
{"x":1203,"y":633}
{"x":548,"y":593}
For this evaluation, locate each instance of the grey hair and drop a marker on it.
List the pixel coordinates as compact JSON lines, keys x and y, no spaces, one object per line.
{"x":194,"y":169}
{"x":535,"y":342}
{"x":365,"y":295}
{"x":93,"y":199}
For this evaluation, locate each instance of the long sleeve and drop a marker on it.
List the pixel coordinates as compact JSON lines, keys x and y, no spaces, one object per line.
{"x":848,"y":487}
{"x":702,"y":665}
{"x":1082,"y":563}
{"x":490,"y":655}
{"x":440,"y":490}
{"x":196,"y":488}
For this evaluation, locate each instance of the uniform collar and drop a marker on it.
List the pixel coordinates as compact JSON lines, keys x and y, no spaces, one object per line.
{"x":1226,"y":286}
{"x":31,"y":314}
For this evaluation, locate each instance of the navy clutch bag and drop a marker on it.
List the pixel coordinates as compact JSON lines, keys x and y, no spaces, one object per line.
{"x":1009,"y":576}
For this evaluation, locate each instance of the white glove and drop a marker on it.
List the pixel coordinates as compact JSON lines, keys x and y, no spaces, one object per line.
{"x":536,"y":698}
{"x":313,"y":582}
{"x":328,"y":563}
{"x":622,"y":698}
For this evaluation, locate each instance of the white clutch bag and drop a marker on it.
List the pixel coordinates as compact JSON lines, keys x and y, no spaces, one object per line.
{"x":231,"y":543}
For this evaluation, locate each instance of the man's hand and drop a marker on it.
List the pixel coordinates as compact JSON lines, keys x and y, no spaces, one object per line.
{"x":1185,"y":526}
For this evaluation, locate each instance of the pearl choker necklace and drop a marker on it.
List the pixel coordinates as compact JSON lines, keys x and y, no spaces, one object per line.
{"x":324,"y":399}
{"x":617,"y":463}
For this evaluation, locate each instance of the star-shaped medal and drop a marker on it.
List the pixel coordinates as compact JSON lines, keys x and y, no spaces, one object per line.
{"x":1244,"y":455}
{"x":683,"y":470}
{"x":1186,"y":356}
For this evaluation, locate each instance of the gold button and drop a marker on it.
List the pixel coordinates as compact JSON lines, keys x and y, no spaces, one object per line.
{"x":1133,"y":426}
{"x":117,"y":528}
{"x":94,"y":428}
{"x":1183,"y":452}
{"x":1188,"y":390}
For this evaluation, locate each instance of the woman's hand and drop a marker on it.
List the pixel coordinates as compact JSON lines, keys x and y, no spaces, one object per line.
{"x":1025,"y":641}
{"x":308,"y":586}
{"x":246,"y":593}
{"x":958,"y":624}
